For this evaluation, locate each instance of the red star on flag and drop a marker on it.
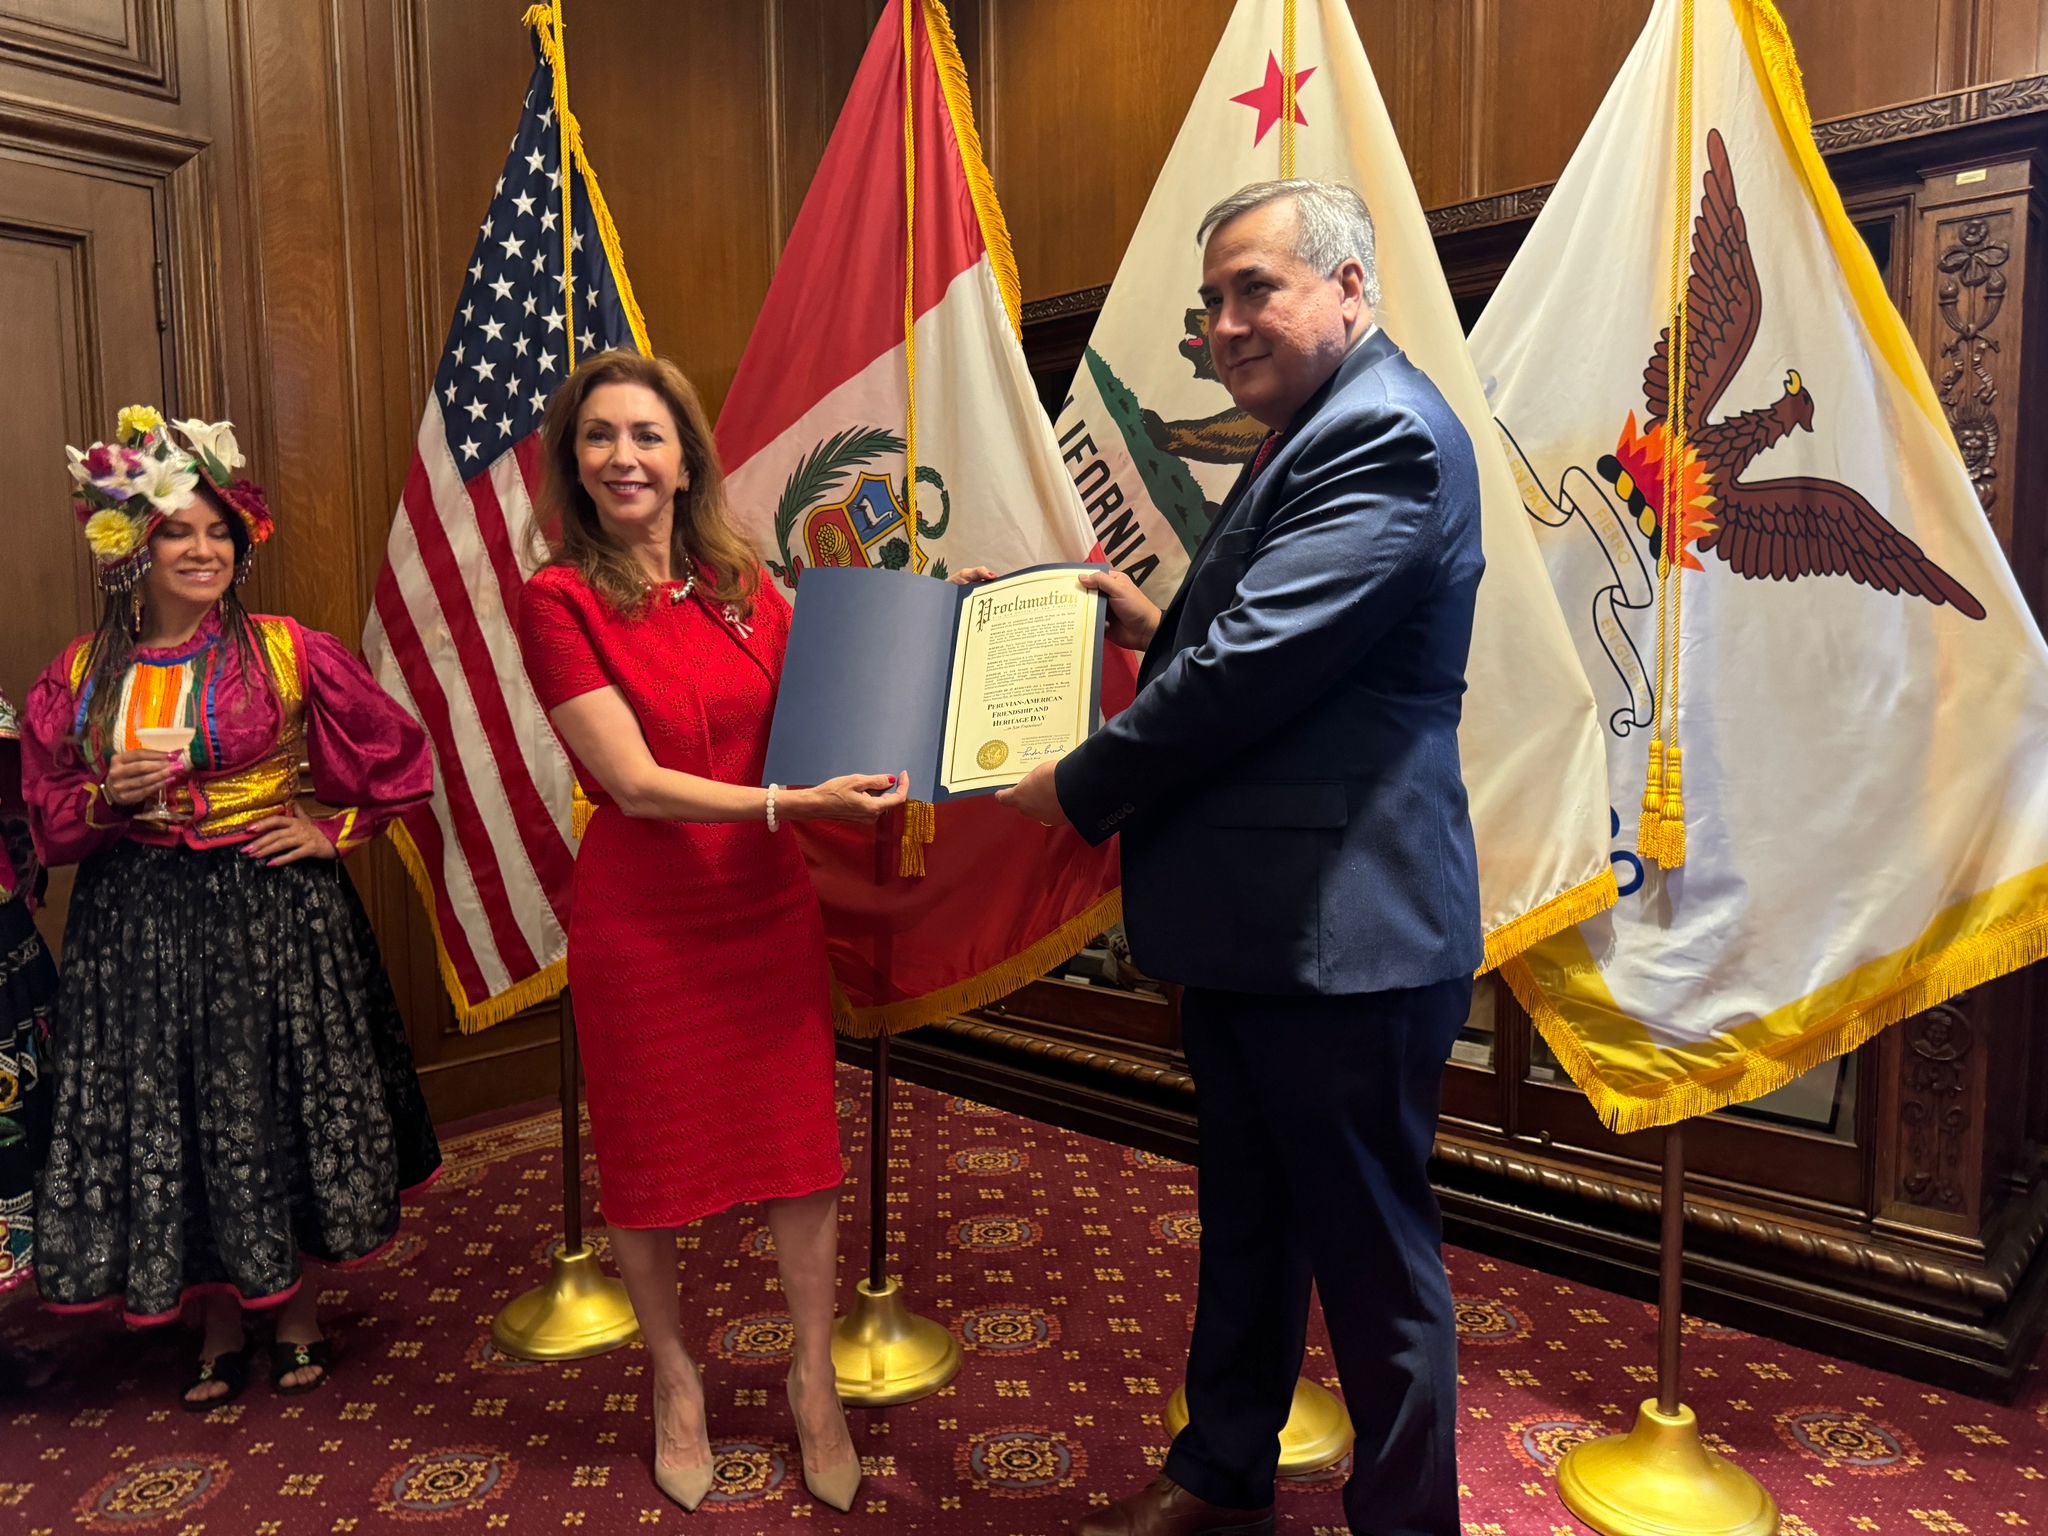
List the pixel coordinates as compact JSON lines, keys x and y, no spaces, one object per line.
{"x":1266,"y":97}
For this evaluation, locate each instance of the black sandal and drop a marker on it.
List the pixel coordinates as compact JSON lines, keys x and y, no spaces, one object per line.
{"x":230,"y":1369}
{"x":286,"y":1358}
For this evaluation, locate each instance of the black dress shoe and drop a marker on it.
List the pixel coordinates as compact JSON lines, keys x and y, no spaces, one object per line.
{"x":1166,"y":1509}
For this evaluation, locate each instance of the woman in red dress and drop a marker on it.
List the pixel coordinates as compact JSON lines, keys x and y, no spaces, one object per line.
{"x":696,"y":950}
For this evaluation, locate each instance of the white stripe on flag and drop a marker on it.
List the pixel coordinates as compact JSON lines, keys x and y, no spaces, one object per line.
{"x":545,"y":759}
{"x":454,"y":875}
{"x":529,"y":903}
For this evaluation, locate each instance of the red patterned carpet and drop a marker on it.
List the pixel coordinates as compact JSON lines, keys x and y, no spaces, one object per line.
{"x":1067,"y":1267}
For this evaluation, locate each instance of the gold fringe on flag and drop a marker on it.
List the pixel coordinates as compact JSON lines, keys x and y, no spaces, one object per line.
{"x":546,"y":20}
{"x":1565,"y":910}
{"x":998,"y":981}
{"x":1660,"y":832}
{"x":471,"y":1017}
{"x":1967,"y":963}
{"x":988,"y":213}
{"x":1781,"y":64}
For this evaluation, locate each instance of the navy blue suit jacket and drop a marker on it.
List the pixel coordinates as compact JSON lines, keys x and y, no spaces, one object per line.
{"x":1286,"y":782}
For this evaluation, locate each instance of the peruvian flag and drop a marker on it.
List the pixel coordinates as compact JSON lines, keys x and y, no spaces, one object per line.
{"x":817,"y":438}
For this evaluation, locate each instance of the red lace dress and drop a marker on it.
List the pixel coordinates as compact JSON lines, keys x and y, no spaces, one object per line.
{"x":696,"y":951}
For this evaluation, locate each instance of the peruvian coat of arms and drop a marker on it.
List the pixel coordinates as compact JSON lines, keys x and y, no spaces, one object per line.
{"x":822,"y":519}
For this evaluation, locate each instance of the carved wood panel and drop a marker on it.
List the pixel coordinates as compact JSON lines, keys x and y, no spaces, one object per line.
{"x":126,"y":42}
{"x":1970,"y":249}
{"x":1935,"y":1068}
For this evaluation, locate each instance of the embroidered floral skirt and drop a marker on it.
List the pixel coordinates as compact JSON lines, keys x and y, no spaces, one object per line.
{"x":230,"y":1085}
{"x":28,"y":989}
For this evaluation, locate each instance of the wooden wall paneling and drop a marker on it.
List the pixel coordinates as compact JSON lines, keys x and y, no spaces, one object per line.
{"x":1877,"y":52}
{"x":1538,"y":74}
{"x":668,"y":92}
{"x":1415,"y":47}
{"x":813,"y":48}
{"x":130,"y":41}
{"x":80,"y":239}
{"x":304,"y":294}
{"x":2012,"y":39}
{"x":85,"y":233}
{"x":1958,"y":45}
{"x":1090,"y":97}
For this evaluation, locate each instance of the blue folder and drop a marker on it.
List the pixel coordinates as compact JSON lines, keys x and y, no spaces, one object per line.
{"x":866,"y":675}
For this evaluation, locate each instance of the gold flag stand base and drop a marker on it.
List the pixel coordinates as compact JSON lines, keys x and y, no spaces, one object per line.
{"x":1317,"y":1433}
{"x":883,"y":1353}
{"x":1660,"y":1480}
{"x":579,"y":1311}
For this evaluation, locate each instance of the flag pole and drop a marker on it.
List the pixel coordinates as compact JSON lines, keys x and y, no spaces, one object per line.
{"x":1660,"y":1479}
{"x":882,"y":1352}
{"x":579,"y":1310}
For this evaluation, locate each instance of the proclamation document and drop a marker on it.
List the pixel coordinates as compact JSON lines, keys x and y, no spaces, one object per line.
{"x":969,"y":688}
{"x":1025,"y":670}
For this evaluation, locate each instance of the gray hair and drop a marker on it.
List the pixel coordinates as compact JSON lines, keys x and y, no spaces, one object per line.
{"x":1335,"y":225}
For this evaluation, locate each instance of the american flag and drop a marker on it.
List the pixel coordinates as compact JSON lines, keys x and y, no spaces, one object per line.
{"x":492,"y":852}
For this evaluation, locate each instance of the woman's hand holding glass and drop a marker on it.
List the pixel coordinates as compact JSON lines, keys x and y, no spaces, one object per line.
{"x":850,"y":797}
{"x":136,"y":777}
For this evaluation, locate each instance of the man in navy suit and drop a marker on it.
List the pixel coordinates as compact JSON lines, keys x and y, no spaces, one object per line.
{"x":1297,"y":853}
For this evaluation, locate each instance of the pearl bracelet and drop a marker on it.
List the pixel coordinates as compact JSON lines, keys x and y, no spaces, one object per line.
{"x":773,"y":824}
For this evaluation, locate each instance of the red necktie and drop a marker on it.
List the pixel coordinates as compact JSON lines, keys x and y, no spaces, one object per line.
{"x":1265,"y":452}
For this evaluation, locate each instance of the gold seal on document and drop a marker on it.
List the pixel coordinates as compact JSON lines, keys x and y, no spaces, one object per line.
{"x":992,"y":754}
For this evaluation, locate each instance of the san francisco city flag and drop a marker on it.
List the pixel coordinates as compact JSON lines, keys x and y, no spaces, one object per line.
{"x":1818,"y":625}
{"x":831,"y":405}
{"x":1154,"y":442}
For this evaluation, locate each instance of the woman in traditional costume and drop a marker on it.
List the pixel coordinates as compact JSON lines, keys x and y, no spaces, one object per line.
{"x":696,"y":948}
{"x":231,"y":1090}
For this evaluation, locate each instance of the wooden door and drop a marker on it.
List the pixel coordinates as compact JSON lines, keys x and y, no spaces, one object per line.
{"x":80,"y":337}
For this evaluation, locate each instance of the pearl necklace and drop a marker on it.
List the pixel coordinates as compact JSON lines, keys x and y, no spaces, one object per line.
{"x":731,"y":613}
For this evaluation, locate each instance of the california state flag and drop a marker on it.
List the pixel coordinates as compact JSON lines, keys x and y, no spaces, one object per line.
{"x":817,"y":433}
{"x":1776,"y":568}
{"x":1154,"y":442}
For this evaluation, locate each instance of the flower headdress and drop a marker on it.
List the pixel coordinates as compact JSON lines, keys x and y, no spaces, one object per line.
{"x":151,"y":469}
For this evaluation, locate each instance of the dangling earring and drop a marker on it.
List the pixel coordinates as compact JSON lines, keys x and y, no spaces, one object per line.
{"x":242,"y":568}
{"x":135,"y":612}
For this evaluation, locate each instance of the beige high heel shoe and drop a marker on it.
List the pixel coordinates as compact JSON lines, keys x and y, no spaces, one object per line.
{"x":686,"y":1485}
{"x":838,"y":1484}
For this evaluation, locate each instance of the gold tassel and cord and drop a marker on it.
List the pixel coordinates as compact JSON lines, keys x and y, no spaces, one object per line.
{"x":920,"y":825}
{"x":1287,"y":90}
{"x":920,"y":819}
{"x":1660,"y":830}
